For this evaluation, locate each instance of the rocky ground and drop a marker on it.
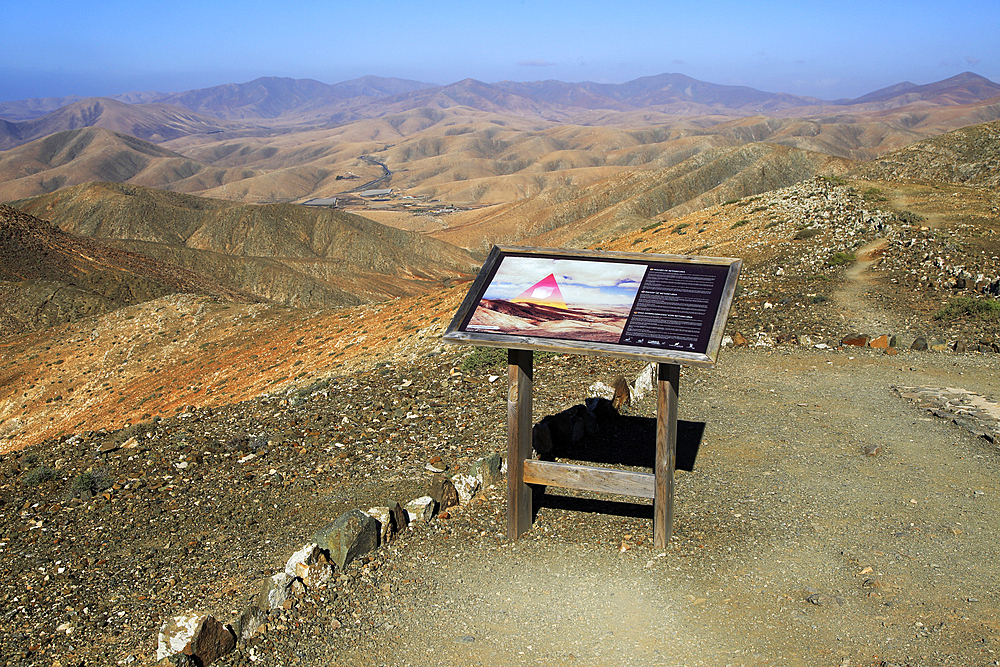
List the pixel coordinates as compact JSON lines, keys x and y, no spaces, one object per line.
{"x":827,"y":521}
{"x":840,"y":510}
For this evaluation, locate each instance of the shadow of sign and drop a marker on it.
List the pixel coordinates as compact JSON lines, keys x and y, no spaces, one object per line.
{"x":617,"y":440}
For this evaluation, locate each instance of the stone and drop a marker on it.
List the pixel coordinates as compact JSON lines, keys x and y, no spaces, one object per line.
{"x":466,"y":486}
{"x":919,"y":344}
{"x":443,"y":492}
{"x":959,"y":346}
{"x":739,"y":340}
{"x":872,"y":450}
{"x":421,"y":509}
{"x":195,"y":634}
{"x":274,"y":591}
{"x":250,"y":621}
{"x":939,"y":346}
{"x":352,"y":535}
{"x":387,"y":527}
{"x":488,"y":470}
{"x":891,"y":351}
{"x":645,"y":381}
{"x":399,"y":516}
{"x":855,"y":340}
{"x":787,"y":338}
{"x":880,"y":342}
{"x":310,"y":565}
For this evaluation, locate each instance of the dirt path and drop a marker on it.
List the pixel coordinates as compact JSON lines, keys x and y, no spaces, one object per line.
{"x":791,"y":545}
{"x":856,"y":308}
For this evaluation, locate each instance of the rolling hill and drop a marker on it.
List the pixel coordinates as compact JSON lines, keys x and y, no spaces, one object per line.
{"x":282,"y":253}
{"x":48,"y":277}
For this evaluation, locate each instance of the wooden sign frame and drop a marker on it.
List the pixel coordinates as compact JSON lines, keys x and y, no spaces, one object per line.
{"x":657,"y":308}
{"x":667,"y":309}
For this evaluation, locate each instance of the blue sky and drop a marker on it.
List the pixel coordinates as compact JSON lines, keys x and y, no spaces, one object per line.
{"x":828,"y":50}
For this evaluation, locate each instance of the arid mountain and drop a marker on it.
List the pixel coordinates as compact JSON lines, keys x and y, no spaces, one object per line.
{"x":48,"y":277}
{"x":282,"y":253}
{"x":90,"y":154}
{"x":151,"y":122}
{"x":968,"y":156}
{"x":572,"y":216}
{"x":965,"y":88}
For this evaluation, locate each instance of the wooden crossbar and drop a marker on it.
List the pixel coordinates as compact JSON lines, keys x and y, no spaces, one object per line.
{"x":522,"y":470}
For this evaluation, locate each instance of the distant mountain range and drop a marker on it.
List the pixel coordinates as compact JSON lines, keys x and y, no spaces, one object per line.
{"x":274,"y":104}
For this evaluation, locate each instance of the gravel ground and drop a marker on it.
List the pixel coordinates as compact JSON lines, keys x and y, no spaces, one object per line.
{"x":827,"y":520}
{"x":791,"y":545}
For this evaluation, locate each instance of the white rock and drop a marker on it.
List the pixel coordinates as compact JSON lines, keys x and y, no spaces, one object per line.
{"x":176,"y":633}
{"x":420,"y":509}
{"x":466,"y":485}
{"x":601,"y":389}
{"x":384,"y":517}
{"x":645,"y":381}
{"x":310,"y":565}
{"x":275,"y":590}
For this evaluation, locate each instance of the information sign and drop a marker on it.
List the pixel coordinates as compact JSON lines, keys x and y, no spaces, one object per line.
{"x":660,"y":308}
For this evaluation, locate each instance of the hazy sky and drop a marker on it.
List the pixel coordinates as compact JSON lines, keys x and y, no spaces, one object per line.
{"x":828,"y":50}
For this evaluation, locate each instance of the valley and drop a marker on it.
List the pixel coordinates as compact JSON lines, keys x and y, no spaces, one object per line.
{"x":161,"y":277}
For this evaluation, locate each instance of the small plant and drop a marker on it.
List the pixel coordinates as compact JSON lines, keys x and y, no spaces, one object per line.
{"x":739,"y":223}
{"x":842,"y":258}
{"x":677,"y":229}
{"x":89,"y":483}
{"x":979,"y":309}
{"x":484,"y":357}
{"x":833,"y":180}
{"x":909,"y":217}
{"x":652,"y":225}
{"x":39,"y":475}
{"x":730,"y":201}
{"x":874,"y":194}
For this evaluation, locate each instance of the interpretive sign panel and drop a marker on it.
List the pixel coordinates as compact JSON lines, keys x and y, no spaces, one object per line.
{"x":657,"y":308}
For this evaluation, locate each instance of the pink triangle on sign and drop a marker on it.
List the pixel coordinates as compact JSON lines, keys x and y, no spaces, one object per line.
{"x":545,"y":292}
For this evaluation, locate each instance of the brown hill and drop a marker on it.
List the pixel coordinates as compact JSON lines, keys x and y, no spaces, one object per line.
{"x":94,"y":154}
{"x":151,"y":122}
{"x":582,"y":216}
{"x":284,"y":253}
{"x":968,"y":156}
{"x":48,"y":277}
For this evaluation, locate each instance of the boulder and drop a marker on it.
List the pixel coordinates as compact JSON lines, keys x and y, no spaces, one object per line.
{"x":421,"y":509}
{"x":351,"y":536}
{"x":645,"y":381}
{"x":855,"y":340}
{"x":274,"y":591}
{"x":443,"y":492}
{"x":399,"y":516}
{"x":488,"y":470}
{"x":466,"y":486}
{"x":387,"y":526}
{"x":250,"y":621}
{"x":310,"y":565}
{"x":881,"y":342}
{"x":195,"y":634}
{"x":919,"y":344}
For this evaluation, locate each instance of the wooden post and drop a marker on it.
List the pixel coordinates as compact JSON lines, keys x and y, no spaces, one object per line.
{"x":667,"y":381}
{"x":519,"y":378}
